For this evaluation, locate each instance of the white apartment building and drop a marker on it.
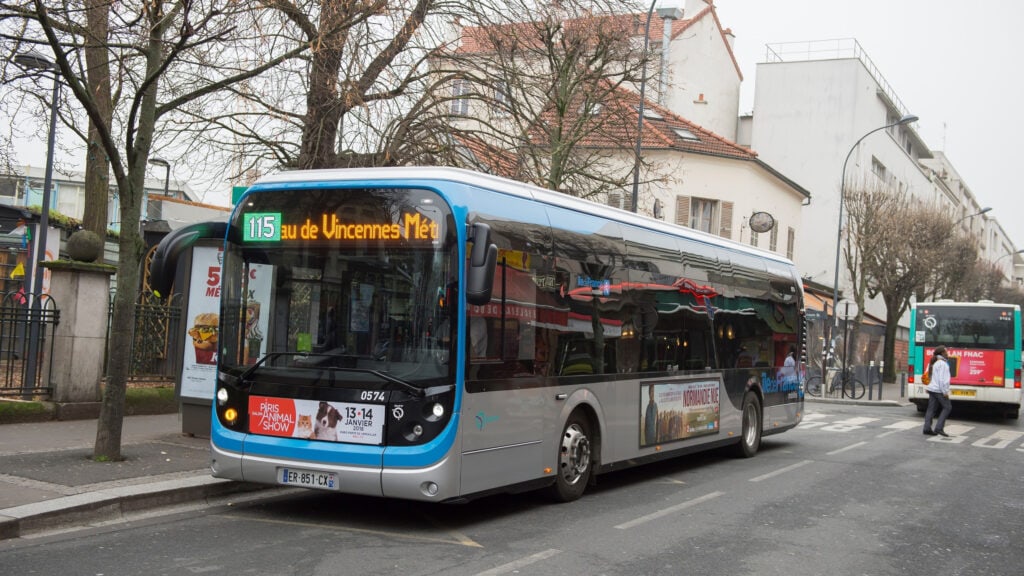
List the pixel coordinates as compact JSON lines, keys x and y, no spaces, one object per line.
{"x":813,"y":102}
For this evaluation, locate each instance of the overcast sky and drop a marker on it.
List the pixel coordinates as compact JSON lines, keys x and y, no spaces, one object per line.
{"x":956,"y":65}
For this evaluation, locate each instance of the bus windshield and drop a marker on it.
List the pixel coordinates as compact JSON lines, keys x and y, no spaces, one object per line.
{"x":354,"y":279}
{"x":983,"y":327}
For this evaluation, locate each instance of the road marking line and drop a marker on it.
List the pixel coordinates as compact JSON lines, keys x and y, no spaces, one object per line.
{"x":517,"y":564}
{"x":850,"y":447}
{"x":856,"y":421}
{"x":669,"y":510}
{"x":780,"y":471}
{"x":999,"y":439}
{"x":904,"y":425}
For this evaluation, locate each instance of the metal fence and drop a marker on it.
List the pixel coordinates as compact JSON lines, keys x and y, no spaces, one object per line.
{"x":27,"y":326}
{"x":155,"y":349}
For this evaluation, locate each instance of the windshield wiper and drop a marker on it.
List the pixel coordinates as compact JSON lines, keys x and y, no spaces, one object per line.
{"x":411,"y":388}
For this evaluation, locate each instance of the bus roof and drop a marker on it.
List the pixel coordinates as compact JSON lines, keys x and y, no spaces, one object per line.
{"x":981,"y":304}
{"x":413,"y":174}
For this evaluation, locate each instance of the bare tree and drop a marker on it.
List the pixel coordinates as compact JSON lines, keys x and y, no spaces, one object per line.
{"x":551,"y":86}
{"x":363,"y":95}
{"x":898,"y":244}
{"x":151,"y":41}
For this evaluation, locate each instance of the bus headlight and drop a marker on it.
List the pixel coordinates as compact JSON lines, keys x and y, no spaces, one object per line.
{"x":222,"y":396}
{"x":437,"y":411}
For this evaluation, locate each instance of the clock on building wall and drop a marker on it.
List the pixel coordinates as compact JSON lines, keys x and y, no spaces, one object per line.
{"x":761,"y":222}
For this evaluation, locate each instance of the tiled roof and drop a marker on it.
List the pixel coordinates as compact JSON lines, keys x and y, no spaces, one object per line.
{"x":661,"y":129}
{"x":477,"y":39}
{"x":496,"y":161}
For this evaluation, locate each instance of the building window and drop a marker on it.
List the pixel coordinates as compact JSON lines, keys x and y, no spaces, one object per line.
{"x":500,"y":106}
{"x":702,"y":214}
{"x":878,"y":169}
{"x":460,"y":104}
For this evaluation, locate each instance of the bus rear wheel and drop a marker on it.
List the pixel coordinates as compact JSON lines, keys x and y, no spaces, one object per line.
{"x":750,"y":432}
{"x":575,"y":464}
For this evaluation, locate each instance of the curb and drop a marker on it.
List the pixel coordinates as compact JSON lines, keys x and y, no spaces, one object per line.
{"x":889,"y":403}
{"x":113,"y":503}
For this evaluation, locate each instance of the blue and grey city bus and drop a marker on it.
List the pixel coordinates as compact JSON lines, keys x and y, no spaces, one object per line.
{"x":438,"y":334}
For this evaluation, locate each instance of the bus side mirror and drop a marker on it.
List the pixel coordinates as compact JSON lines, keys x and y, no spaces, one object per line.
{"x":164,"y":265}
{"x":482,"y":260}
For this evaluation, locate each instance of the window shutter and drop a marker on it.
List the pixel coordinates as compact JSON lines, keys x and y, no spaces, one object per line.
{"x":773,"y":242}
{"x":615,"y":200}
{"x":790,"y":241}
{"x":725,"y":222}
{"x":627,"y":202}
{"x":683,"y":210}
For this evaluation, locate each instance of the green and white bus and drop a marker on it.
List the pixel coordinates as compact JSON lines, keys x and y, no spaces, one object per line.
{"x":983,"y":341}
{"x":438,"y":334}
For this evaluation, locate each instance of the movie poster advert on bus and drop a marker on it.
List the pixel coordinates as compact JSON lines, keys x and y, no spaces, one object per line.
{"x":974,"y":367}
{"x":199,"y":365}
{"x":313,"y":420}
{"x":672,"y":411}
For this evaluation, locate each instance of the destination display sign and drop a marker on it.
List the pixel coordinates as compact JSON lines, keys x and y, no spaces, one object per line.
{"x":272,"y":227}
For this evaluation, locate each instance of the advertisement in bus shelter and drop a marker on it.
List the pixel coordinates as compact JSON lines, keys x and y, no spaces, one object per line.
{"x":973,"y":367}
{"x":313,"y":420}
{"x":671,"y":411}
{"x":199,"y":365}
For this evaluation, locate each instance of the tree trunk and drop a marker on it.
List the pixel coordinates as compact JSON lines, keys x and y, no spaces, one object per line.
{"x":893,"y":311}
{"x":97,"y":165}
{"x":131,"y":186}
{"x":323,"y":106}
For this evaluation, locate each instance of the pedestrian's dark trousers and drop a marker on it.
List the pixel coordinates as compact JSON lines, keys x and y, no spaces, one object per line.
{"x":935,"y":399}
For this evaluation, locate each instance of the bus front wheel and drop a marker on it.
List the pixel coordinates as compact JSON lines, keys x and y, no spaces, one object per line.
{"x":750,"y":432}
{"x":575,"y":464}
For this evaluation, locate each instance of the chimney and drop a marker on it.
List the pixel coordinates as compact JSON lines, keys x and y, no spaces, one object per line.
{"x":668,"y":15}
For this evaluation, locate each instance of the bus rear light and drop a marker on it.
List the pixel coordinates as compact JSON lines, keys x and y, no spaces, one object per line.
{"x":910,"y":374}
{"x":1016,"y":378}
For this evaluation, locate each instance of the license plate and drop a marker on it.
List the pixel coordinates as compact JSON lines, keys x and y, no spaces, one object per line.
{"x":964,"y":393}
{"x":307,"y":478}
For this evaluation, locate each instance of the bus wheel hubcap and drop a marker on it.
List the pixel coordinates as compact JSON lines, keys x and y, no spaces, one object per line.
{"x":750,"y":422}
{"x":574,"y":459}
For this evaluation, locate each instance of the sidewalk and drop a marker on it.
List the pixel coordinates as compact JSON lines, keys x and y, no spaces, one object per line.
{"x":48,"y":480}
{"x":891,"y":395}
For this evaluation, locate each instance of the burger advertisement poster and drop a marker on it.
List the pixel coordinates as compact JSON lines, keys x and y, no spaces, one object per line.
{"x":199,"y":366}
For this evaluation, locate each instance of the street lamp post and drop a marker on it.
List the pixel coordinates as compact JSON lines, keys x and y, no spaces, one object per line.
{"x":37,"y":61}
{"x":157,"y":161}
{"x":969,"y":216}
{"x":1009,"y":254}
{"x":906,"y":119}
{"x":666,"y":14}
{"x":640,"y":109}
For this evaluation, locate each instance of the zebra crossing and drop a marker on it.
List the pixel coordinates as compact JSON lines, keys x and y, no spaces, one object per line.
{"x":959,"y":433}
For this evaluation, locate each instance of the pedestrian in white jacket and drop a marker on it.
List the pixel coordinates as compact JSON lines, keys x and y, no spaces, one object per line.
{"x":938,"y":393}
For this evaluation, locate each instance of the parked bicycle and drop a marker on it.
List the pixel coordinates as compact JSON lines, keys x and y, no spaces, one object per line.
{"x":854,"y":388}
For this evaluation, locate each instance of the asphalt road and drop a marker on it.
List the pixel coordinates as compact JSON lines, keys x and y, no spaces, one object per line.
{"x":854,"y":490}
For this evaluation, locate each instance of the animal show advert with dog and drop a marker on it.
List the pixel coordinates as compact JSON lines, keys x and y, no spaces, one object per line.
{"x":328,"y":421}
